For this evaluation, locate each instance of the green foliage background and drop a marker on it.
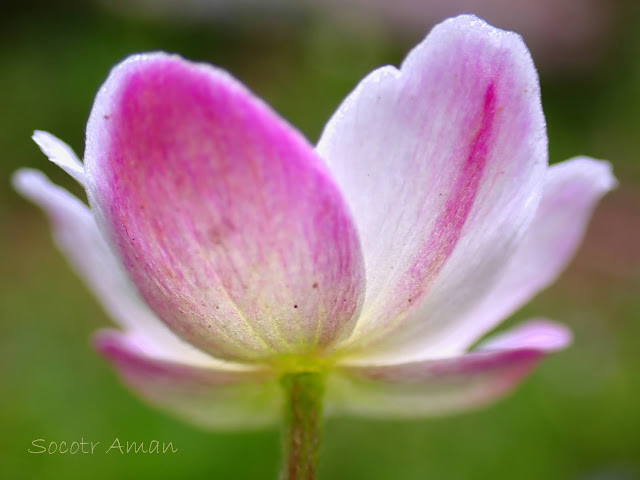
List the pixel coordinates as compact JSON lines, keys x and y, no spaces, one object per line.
{"x":577,"y":417}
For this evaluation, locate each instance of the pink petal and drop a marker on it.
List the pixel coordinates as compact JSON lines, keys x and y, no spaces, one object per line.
{"x":207,"y":397}
{"x":571,"y":192}
{"x":79,"y":239}
{"x":223,"y":215}
{"x":442,"y":163}
{"x":447,"y":385}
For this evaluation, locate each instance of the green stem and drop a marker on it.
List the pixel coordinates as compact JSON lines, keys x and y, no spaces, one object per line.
{"x":303,"y":424}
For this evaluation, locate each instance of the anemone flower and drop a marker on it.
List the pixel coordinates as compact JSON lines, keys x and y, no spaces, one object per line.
{"x":253,"y":274}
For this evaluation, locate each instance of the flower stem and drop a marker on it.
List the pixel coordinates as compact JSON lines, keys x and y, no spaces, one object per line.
{"x":303,"y":424}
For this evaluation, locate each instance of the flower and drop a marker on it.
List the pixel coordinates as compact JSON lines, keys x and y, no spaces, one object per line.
{"x":231,"y":252}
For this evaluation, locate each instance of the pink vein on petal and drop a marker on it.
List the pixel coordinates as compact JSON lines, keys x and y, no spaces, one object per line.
{"x":449,"y":225}
{"x":456,"y":211}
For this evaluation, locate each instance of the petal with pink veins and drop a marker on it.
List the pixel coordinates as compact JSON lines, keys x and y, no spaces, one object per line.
{"x":446,"y":385}
{"x":223,"y":215}
{"x":572,"y":190}
{"x":220,"y":398}
{"x":442,"y":163}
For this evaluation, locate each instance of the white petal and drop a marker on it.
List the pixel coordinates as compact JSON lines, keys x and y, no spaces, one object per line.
{"x":78,"y":237}
{"x":571,"y":193}
{"x":447,"y":385}
{"x":60,"y":153}
{"x":207,"y":397}
{"x":442,"y":164}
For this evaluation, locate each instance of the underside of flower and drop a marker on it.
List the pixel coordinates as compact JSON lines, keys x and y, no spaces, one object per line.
{"x":237,"y":258}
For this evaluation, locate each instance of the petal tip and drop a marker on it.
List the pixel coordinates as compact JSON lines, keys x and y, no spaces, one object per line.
{"x":600,"y":172}
{"x":608,"y":180}
{"x":104,"y":340}
{"x":27,"y":181}
{"x":550,"y":336}
{"x":541,"y":335}
{"x":138,"y":61}
{"x":469,"y":21}
{"x":119,"y":347}
{"x":59,"y":153}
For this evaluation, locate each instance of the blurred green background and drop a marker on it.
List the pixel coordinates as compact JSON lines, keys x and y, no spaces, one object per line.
{"x":577,"y":417}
